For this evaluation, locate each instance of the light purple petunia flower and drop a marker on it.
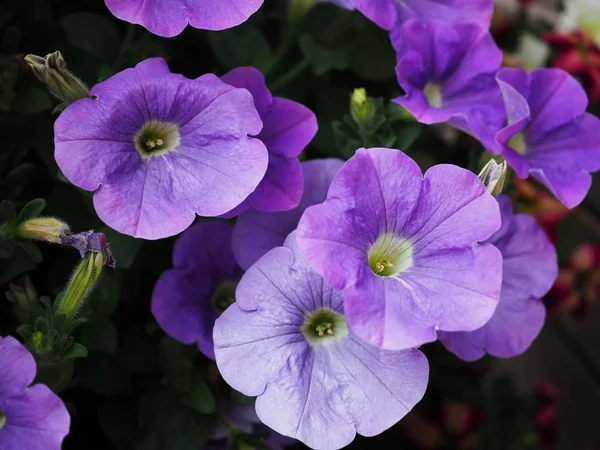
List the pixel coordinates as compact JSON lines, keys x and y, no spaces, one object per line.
{"x":31,"y":417}
{"x":404,"y":248}
{"x":169,"y":17}
{"x":448,"y":74}
{"x":529,"y":271}
{"x":286,"y":341}
{"x":188,"y":298}
{"x":288,"y":127}
{"x":257,"y":232}
{"x":159,"y":148}
{"x":391,"y":13}
{"x":548,"y":134}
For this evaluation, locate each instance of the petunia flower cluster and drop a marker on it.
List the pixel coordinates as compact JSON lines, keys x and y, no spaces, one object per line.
{"x":316,"y":300}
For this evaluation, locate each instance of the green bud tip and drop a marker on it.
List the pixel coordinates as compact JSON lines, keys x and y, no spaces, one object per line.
{"x":51,"y":70}
{"x":360,"y":105}
{"x":493,"y":176}
{"x":47,"y":229}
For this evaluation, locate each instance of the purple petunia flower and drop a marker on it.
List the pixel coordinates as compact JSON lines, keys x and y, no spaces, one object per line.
{"x":404,"y":248}
{"x":288,"y":127}
{"x":391,"y":13}
{"x":549,"y":135}
{"x":257,"y":232}
{"x":159,"y":148}
{"x":31,"y":417}
{"x":529,"y":271}
{"x":448,"y":74}
{"x":286,"y":341}
{"x":169,"y":17}
{"x":188,"y":298}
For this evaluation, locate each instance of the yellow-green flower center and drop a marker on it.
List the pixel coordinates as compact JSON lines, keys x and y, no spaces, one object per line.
{"x":156,"y":138}
{"x":2,"y":420}
{"x":324,"y":326}
{"x":433,"y":93}
{"x":518,"y":144}
{"x":390,"y":255}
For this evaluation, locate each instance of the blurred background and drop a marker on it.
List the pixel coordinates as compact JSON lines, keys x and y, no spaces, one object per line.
{"x":546,"y":398}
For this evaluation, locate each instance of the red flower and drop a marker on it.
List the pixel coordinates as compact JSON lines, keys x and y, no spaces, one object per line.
{"x":578,"y":283}
{"x":579,"y":55}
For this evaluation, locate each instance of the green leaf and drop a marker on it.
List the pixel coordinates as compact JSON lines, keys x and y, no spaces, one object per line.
{"x":125,"y":248}
{"x":32,"y":209}
{"x":32,"y":250}
{"x":117,"y":418}
{"x":407,"y":136}
{"x":244,"y":45}
{"x":176,"y":361}
{"x":372,"y":57}
{"x":167,"y":424}
{"x":32,"y":100}
{"x":92,"y":33}
{"x":100,"y":334}
{"x":76,"y":351}
{"x":199,"y":397}
{"x":323,"y":59}
{"x":57,"y":377}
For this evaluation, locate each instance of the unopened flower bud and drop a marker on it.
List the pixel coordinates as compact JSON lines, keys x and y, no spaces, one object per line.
{"x":493,"y":176}
{"x":52,"y":71}
{"x":96,"y":254}
{"x":82,"y":284}
{"x":47,"y":229}
{"x":360,"y":105}
{"x":24,"y":296}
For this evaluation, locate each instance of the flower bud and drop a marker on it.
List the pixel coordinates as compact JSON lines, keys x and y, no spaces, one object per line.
{"x":47,"y":229}
{"x":360,"y":105}
{"x":82,"y":284}
{"x":24,"y":296}
{"x":493,"y":176}
{"x":52,"y":71}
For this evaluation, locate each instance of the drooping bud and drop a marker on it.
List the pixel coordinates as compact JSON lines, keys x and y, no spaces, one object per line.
{"x":360,"y":105}
{"x":493,"y":176}
{"x":96,"y":255}
{"x":23,"y":296}
{"x":90,"y":241}
{"x":52,"y":71}
{"x":47,"y":229}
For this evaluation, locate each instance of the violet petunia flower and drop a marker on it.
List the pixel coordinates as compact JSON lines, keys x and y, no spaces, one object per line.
{"x":392,"y":13}
{"x":528,"y":272}
{"x":158,"y":148}
{"x":286,"y":341}
{"x":548,"y":134}
{"x":31,"y":417}
{"x":168,"y":18}
{"x":257,"y":232}
{"x":405,"y":248}
{"x":288,"y":127}
{"x":448,"y":74}
{"x":188,"y":298}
